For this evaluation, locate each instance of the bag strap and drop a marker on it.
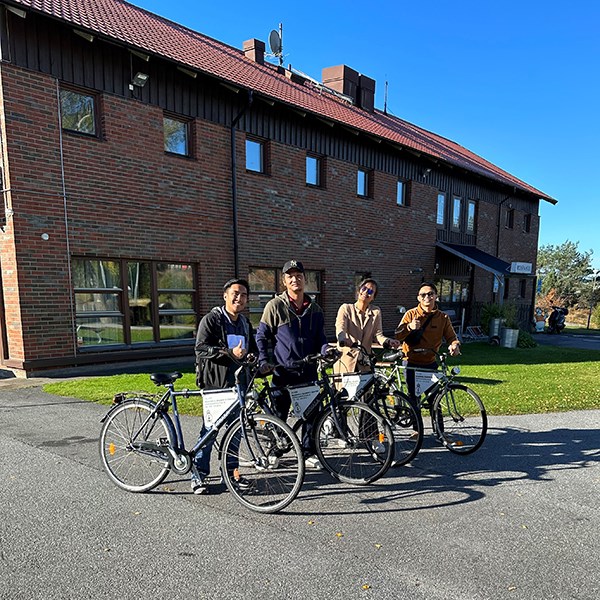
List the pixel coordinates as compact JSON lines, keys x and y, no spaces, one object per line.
{"x":427,"y":321}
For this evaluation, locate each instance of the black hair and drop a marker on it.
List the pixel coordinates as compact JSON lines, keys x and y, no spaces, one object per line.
{"x":368,"y":280}
{"x":428,"y":284}
{"x":237,"y":281}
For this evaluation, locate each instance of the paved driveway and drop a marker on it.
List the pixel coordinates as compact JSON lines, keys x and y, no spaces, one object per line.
{"x":566,"y":340}
{"x":519,"y":520}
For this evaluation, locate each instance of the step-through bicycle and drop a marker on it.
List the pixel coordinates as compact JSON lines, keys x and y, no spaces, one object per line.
{"x":140,"y":443}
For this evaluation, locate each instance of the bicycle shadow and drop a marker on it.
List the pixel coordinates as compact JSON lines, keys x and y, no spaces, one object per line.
{"x":438,"y":478}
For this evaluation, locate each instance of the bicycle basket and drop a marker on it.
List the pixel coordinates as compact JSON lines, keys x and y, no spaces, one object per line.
{"x":216,"y":402}
{"x":304,"y":398}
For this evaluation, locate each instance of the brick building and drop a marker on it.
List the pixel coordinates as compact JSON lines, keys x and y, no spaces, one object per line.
{"x":144,"y":164}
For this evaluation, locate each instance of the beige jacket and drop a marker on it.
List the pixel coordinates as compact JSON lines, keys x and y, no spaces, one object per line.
{"x":353,"y":326}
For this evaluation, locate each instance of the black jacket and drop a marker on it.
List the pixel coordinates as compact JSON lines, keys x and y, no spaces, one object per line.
{"x":213,"y":369}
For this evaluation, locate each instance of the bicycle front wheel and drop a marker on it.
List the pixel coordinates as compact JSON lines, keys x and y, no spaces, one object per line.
{"x":261,"y":463}
{"x":360,"y":449}
{"x":406,"y":425}
{"x":459,"y":419}
{"x":140,"y":464}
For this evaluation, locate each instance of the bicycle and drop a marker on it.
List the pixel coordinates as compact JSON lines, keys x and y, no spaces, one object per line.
{"x":376,"y":391}
{"x":140,"y":443}
{"x":352,"y":441}
{"x":458,"y":416}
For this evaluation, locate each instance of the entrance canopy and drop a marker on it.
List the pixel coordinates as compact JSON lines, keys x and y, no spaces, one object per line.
{"x":481,"y":259}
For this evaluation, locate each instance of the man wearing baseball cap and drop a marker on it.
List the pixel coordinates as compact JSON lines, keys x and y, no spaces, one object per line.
{"x":291,"y":328}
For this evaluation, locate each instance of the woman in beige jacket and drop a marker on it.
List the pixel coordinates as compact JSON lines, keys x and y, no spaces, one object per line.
{"x":359,"y":322}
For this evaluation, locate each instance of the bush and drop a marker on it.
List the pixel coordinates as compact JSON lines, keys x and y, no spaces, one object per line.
{"x":596,"y":316}
{"x":525,"y":340}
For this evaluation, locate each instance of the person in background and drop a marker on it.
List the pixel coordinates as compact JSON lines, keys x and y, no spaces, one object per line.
{"x":292,"y":328}
{"x":224,"y":336}
{"x":360,"y":322}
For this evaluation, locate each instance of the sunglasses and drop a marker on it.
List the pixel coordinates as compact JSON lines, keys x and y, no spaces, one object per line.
{"x":426,"y":294}
{"x":368,"y":291}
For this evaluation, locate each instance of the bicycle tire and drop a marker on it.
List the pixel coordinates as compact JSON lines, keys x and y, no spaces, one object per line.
{"x":406,"y":424}
{"x":268,"y":457}
{"x":462,"y":417}
{"x":127,"y":467}
{"x":368,"y":451}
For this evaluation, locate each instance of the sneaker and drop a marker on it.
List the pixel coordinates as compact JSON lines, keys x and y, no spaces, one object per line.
{"x":312,"y":462}
{"x":378,"y":447}
{"x":199,"y":487}
{"x":241,"y":483}
{"x":414,"y":436}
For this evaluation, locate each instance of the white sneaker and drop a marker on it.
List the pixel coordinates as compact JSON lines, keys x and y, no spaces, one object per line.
{"x":378,"y":447}
{"x":312,"y":462}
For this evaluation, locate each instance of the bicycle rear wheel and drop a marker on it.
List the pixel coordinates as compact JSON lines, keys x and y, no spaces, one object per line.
{"x":130,"y":467}
{"x":267,"y":456}
{"x":459,"y":419}
{"x":406,"y":425}
{"x":363,"y":451}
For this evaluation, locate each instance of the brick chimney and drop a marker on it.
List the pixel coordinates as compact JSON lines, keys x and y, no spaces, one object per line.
{"x":255,"y":50}
{"x":347,"y":81}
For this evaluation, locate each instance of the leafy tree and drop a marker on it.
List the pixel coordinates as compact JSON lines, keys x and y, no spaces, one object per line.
{"x":565,"y":270}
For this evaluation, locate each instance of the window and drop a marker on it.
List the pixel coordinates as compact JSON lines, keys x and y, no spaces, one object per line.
{"x":176,"y":136}
{"x":314,"y":171}
{"x":78,"y":112}
{"x":522,"y":288}
{"x":362,"y":183}
{"x":266,"y":283}
{"x":401,"y":193}
{"x":510,"y":218}
{"x":158,"y":306}
{"x":471,"y":206}
{"x":453,"y":291}
{"x":456,"y":216}
{"x":527,"y":222}
{"x":255,"y":156}
{"x":441,"y":209}
{"x":506,"y":288}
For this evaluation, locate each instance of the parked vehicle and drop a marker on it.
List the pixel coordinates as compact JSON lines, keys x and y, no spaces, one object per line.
{"x":557,"y":319}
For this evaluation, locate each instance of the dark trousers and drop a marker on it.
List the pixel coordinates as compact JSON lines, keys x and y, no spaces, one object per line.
{"x":409,"y":376}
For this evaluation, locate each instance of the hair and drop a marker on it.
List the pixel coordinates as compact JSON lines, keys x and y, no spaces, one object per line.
{"x":428,"y":284}
{"x":235,"y":281}
{"x":364,"y":282}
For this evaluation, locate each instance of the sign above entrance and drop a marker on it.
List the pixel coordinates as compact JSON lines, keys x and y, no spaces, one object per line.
{"x":521,"y":267}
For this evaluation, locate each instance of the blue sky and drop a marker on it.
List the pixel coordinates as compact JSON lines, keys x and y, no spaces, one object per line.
{"x":517,"y":81}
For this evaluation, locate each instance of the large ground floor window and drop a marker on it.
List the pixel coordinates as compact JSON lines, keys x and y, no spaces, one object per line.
{"x":128,"y":302}
{"x":265,"y":283}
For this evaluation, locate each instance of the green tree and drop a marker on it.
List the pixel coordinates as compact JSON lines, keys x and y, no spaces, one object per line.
{"x":565,"y":270}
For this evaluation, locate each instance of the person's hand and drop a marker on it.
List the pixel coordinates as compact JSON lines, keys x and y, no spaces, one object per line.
{"x":239,"y":351}
{"x":414,"y":325}
{"x":265,"y":368}
{"x":454,"y":349}
{"x":394,"y":344}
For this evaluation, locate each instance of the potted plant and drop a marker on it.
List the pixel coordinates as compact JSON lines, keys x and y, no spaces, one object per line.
{"x":510,"y":332}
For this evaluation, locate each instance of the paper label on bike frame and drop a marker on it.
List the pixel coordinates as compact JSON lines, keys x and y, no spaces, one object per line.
{"x":424,"y":380}
{"x":355,"y":382}
{"x":302,"y":398}
{"x":215,"y":403}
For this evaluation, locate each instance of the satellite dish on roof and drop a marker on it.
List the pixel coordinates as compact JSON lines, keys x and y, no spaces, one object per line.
{"x":275,"y":42}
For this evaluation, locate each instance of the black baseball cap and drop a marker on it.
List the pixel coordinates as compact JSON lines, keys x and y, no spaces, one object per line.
{"x":293,"y":265}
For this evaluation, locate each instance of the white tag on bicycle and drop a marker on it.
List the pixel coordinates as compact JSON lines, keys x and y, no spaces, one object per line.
{"x":303,"y":397}
{"x":215,"y":403}
{"x":353,"y":383}
{"x":424,"y":380}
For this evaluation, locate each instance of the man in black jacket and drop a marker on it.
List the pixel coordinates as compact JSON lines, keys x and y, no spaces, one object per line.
{"x":224,"y":334}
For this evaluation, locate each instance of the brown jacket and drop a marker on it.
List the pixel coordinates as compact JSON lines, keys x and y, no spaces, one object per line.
{"x":353,"y":326}
{"x":438,"y":329}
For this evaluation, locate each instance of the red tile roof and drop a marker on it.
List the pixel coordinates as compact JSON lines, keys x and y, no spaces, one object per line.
{"x":152,"y":34}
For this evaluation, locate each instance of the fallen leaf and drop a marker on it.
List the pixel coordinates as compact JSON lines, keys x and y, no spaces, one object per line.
{"x":377,"y":546}
{"x":311,"y":522}
{"x":339,"y":534}
{"x":366,"y":586}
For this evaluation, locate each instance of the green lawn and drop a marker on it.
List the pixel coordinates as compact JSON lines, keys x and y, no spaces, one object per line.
{"x":519,"y":381}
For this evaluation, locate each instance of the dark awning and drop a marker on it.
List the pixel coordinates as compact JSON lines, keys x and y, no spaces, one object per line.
{"x":482,"y":259}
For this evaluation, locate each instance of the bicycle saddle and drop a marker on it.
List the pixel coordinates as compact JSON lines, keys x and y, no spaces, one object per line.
{"x":164,"y":378}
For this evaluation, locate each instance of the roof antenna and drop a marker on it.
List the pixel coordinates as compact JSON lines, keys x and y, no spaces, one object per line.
{"x":276,"y":43}
{"x":385,"y":98}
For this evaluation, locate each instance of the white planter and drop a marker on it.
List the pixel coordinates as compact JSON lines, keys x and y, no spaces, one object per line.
{"x":509,"y":337}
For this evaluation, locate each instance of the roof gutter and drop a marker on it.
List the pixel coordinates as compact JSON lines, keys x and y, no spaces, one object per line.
{"x":234,"y":209}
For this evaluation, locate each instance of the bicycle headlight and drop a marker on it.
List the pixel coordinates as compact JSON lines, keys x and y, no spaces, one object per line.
{"x":455,"y":370}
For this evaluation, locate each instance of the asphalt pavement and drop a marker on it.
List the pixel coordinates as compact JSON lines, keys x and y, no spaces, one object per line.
{"x":568,"y":340}
{"x":518,"y":519}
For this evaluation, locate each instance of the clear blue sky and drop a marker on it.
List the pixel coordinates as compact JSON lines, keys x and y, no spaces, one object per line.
{"x":517,"y":81}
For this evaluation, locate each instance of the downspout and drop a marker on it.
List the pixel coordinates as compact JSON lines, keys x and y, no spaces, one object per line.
{"x":236,"y":266}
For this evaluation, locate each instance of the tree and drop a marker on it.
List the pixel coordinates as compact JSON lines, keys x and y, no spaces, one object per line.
{"x":565,"y":270}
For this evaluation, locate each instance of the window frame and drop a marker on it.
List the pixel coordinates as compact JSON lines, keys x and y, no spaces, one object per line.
{"x":368,"y":182}
{"x":509,"y":222}
{"x":263,"y":155}
{"x":401,"y":196}
{"x":188,"y":125}
{"x":527,"y":220}
{"x":319,"y":170}
{"x":442,"y":197}
{"x":457,"y":201}
{"x":95,"y":97}
{"x":468,"y":228}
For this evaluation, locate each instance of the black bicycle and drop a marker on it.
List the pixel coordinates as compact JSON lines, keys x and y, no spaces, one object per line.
{"x":140,"y":443}
{"x":354,"y":443}
{"x":458,"y":416}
